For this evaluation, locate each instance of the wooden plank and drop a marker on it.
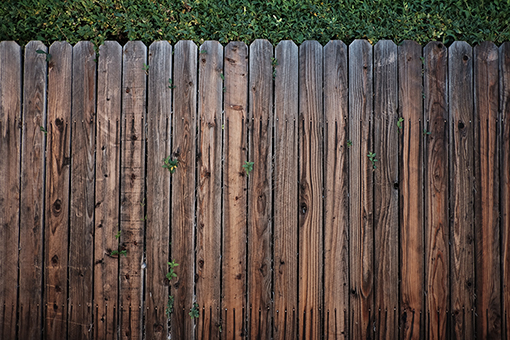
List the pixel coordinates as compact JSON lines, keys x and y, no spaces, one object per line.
{"x":311,"y":122}
{"x":336,"y":191}
{"x":158,"y":189}
{"x":285,"y":232}
{"x":436,"y":190}
{"x":504,"y":91}
{"x":82,"y":192}
{"x":361,"y":190}
{"x":10,"y":137}
{"x":57,"y":188}
{"x":106,"y":266}
{"x":234,"y":189}
{"x":32,"y":192}
{"x":386,"y":231}
{"x":208,"y":261}
{"x":486,"y":160}
{"x":460,"y":82}
{"x":411,"y":133}
{"x":132,"y":185}
{"x":260,"y":135}
{"x":183,"y":186}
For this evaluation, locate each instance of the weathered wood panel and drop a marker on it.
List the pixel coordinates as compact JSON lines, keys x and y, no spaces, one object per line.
{"x":132,"y":186}
{"x":260,"y":134}
{"x":285,"y":231}
{"x":57,"y":188}
{"x":486,"y":160}
{"x":361,"y":190}
{"x":386,"y":224}
{"x":411,"y":134}
{"x":435,"y":178}
{"x":81,"y":227}
{"x":504,"y":91}
{"x":336,"y":191}
{"x":32,"y":192}
{"x":209,"y":206}
{"x":460,"y":90}
{"x":310,"y":193}
{"x":234,"y":189}
{"x":10,"y":137}
{"x":157,"y":232}
{"x":183,"y":186}
{"x":106,"y":237}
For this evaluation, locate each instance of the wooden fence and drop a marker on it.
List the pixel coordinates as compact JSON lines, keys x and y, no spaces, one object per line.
{"x":378,"y":205}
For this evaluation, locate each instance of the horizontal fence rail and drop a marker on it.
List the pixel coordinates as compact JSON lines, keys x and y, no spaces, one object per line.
{"x":262,"y":192}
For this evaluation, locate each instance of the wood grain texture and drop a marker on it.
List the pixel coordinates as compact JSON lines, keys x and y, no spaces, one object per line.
{"x":285,"y":232}
{"x":260,"y":135}
{"x":57,"y":188}
{"x":106,"y":267}
{"x":336,"y":191}
{"x":132,"y":185}
{"x":81,"y":233}
{"x":460,"y":85}
{"x":234,"y":189}
{"x":310,"y":193}
{"x":10,"y":137}
{"x":32,"y":192}
{"x":486,"y":161}
{"x":411,"y":134}
{"x":183,"y":186}
{"x":209,"y":214}
{"x":435,"y":93}
{"x":361,"y":190}
{"x":386,"y":224}
{"x":504,"y":95}
{"x":157,"y":234}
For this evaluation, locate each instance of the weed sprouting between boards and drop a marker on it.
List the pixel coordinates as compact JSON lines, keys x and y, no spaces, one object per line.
{"x":170,"y":275}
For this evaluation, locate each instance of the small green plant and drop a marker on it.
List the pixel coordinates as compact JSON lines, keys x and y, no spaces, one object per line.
{"x":43,"y":130}
{"x":274,"y":63}
{"x":170,"y":86}
{"x":422,"y":60}
{"x":373,"y":159}
{"x":170,"y":164}
{"x":349,"y":143}
{"x":222,"y":76}
{"x":425,"y":132}
{"x":399,"y":122}
{"x":146,"y":68}
{"x":119,"y":252}
{"x":248,"y":167}
{"x":48,"y":56}
{"x":203,"y":51}
{"x":117,"y":236}
{"x":170,"y":275}
{"x":423,"y":95}
{"x":194,"y":312}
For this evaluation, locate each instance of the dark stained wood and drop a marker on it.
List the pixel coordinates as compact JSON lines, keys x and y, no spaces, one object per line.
{"x":386,"y":231}
{"x":106,"y":267}
{"x":259,"y":189}
{"x":81,"y":226}
{"x":504,"y":92}
{"x":57,"y":188}
{"x":361,"y":190}
{"x":435,"y":178}
{"x":310,"y":193}
{"x":32,"y":192}
{"x":158,"y":189}
{"x":460,"y":83}
{"x":336,"y":190}
{"x":183,"y":186}
{"x":132,"y":195}
{"x":234,"y":189}
{"x":285,"y":219}
{"x":486,"y":160}
{"x":410,"y":69}
{"x":10,"y":136}
{"x":209,"y":214}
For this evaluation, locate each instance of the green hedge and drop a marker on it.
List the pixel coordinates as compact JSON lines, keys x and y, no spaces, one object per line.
{"x":199,"y":20}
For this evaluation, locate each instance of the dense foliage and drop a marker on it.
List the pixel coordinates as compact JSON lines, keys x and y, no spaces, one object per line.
{"x":199,"y":20}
